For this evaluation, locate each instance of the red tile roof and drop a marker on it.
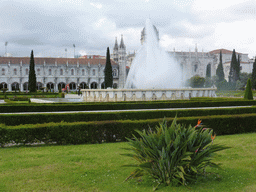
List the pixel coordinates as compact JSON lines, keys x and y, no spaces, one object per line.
{"x":224,"y":51}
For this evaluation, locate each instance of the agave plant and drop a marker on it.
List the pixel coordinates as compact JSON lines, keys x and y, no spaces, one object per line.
{"x":175,"y":154}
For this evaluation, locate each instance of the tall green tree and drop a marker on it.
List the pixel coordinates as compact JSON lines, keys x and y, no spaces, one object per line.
{"x":238,"y":67}
{"x":208,"y":71}
{"x":254,"y":75}
{"x":32,"y":74}
{"x":108,"y":71}
{"x":234,"y":69}
{"x":248,"y":91}
{"x":220,"y":71}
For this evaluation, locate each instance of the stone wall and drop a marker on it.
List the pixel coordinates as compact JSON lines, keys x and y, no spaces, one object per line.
{"x":113,"y":95}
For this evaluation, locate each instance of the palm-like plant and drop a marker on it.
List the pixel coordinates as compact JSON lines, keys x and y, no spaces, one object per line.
{"x":173,"y":155}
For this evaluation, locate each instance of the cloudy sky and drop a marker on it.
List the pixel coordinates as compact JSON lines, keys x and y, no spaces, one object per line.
{"x":51,"y":26}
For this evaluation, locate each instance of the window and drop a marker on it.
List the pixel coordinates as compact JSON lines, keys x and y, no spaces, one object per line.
{"x":3,"y":71}
{"x":61,"y":71}
{"x":114,"y":72}
{"x":27,"y":71}
{"x":14,"y":71}
{"x":82,"y":71}
{"x":38,"y":71}
{"x":50,"y":71}
{"x":93,"y":72}
{"x":72,"y":71}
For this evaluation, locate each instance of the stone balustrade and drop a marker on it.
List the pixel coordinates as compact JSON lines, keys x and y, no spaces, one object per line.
{"x":114,"y":95}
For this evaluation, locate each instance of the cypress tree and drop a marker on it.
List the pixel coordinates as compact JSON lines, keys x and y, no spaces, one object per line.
{"x":238,"y":68}
{"x":108,"y":71}
{"x":220,"y":71}
{"x":233,"y":73}
{"x":254,"y":74}
{"x":208,"y":71}
{"x":32,"y":74}
{"x":248,"y":91}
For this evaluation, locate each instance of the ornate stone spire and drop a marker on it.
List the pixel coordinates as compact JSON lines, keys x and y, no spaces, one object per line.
{"x":116,"y":45}
{"x":122,"y":46}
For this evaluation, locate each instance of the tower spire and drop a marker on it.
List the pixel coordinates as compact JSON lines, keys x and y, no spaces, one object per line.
{"x":116,"y":45}
{"x":122,"y":42}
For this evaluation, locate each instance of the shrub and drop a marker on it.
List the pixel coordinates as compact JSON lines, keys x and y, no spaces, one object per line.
{"x":248,"y":91}
{"x":196,"y":82}
{"x":173,"y":155}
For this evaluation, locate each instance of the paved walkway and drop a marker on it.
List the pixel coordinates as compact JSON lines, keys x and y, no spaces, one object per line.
{"x":107,"y":111}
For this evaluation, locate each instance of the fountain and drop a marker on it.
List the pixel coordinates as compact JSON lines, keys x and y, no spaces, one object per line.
{"x":152,"y":67}
{"x":154,"y":75}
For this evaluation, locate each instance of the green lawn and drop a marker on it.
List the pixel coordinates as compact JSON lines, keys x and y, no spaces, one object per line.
{"x":230,"y":93}
{"x":98,"y":168}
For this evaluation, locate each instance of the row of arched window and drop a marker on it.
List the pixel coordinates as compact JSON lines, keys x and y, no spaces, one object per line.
{"x":61,"y":72}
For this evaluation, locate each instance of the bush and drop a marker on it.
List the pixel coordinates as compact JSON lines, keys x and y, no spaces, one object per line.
{"x":173,"y":155}
{"x":196,"y":82}
{"x":248,"y":91}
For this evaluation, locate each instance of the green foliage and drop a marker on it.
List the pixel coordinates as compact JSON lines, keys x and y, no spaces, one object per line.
{"x":254,"y":75}
{"x":62,"y":95}
{"x":248,"y":91}
{"x":208,"y":71}
{"x":32,"y":74}
{"x":243,"y":79}
{"x":208,"y":82}
{"x":234,"y":68}
{"x":196,"y":82}
{"x":173,"y":155}
{"x":18,"y":119}
{"x":220,"y":71}
{"x":108,"y":71}
{"x":115,"y":130}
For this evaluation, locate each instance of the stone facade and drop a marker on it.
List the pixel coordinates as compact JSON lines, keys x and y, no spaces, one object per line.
{"x":192,"y":62}
{"x":55,"y":73}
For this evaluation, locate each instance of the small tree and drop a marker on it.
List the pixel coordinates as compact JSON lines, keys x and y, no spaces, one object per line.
{"x":197,"y":81}
{"x":248,"y":91}
{"x":254,"y":75}
{"x":32,"y":74}
{"x":108,"y":71}
{"x":220,"y":71}
{"x":234,"y":69}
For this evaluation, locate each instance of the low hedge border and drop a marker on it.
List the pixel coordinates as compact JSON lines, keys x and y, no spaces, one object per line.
{"x":17,"y":119}
{"x":112,"y":131}
{"x":12,"y":108}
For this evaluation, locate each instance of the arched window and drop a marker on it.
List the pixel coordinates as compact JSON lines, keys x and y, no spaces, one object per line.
{"x":61,"y":71}
{"x":14,"y":71}
{"x":114,"y":72}
{"x":3,"y":71}
{"x":27,"y":71}
{"x":72,"y":71}
{"x":38,"y":71}
{"x":50,"y":71}
{"x":93,"y":72}
{"x":82,"y":71}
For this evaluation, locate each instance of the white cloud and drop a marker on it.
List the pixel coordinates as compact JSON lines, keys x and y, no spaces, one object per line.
{"x":204,"y":5}
{"x":97,"y":5}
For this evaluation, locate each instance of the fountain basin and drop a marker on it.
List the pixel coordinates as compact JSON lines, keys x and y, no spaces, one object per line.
{"x":115,"y":95}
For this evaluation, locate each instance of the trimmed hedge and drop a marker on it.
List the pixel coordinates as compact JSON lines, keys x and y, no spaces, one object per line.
{"x":17,"y":119}
{"x":12,"y":108}
{"x":112,"y":131}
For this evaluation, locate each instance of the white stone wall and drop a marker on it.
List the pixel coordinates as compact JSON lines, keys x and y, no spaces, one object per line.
{"x":51,"y":73}
{"x":113,"y":95}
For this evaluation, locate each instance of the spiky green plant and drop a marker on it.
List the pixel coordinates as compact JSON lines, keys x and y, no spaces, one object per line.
{"x":173,"y":155}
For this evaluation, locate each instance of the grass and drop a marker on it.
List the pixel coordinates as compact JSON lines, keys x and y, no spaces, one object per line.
{"x":230,"y":93}
{"x":98,"y":168}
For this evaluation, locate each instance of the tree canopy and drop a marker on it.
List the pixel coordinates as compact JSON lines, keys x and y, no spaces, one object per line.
{"x":32,"y":74}
{"x":108,"y":71}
